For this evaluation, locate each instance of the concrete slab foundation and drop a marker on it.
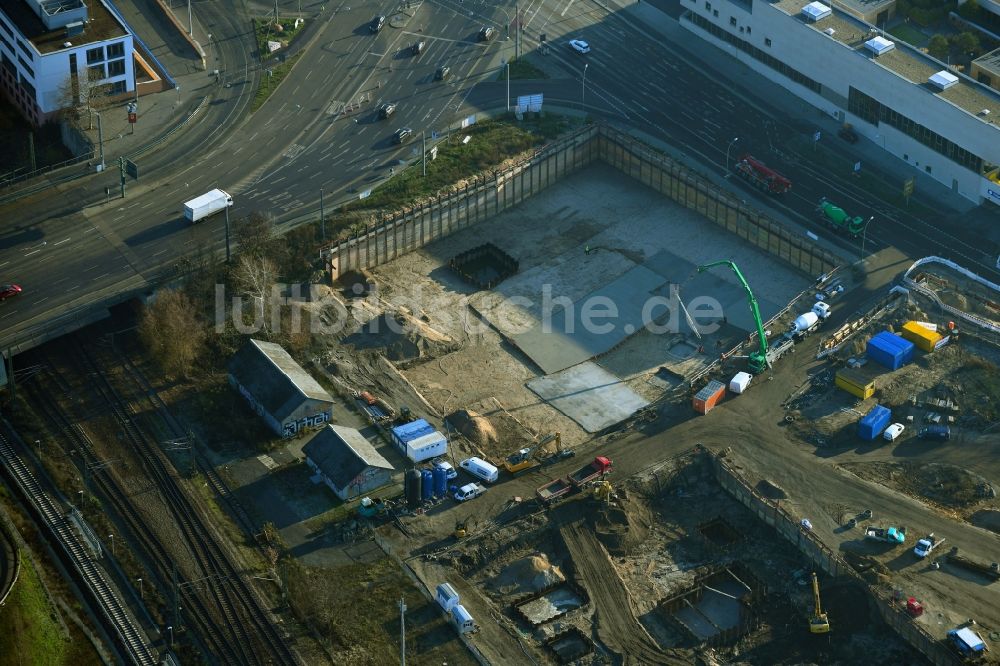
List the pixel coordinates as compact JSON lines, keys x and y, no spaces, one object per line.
{"x":588,"y":394}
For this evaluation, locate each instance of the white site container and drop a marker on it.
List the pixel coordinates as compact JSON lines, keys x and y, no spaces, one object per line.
{"x":463,"y":621}
{"x":740,"y":382}
{"x":426,"y":447}
{"x":446,"y":596}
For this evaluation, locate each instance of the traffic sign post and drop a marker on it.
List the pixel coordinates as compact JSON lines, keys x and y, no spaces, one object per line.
{"x":133,"y":110}
{"x":908,"y":189}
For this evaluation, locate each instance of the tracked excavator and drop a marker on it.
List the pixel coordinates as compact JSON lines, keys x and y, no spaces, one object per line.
{"x":818,"y":623}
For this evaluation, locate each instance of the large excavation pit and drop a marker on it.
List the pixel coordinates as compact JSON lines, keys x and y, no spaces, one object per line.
{"x":720,"y":533}
{"x":484,"y":266}
{"x":570,"y":645}
{"x":718,"y":608}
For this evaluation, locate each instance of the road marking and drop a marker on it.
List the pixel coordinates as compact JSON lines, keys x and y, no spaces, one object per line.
{"x":61,"y":242}
{"x":90,"y":229}
{"x":4,"y":264}
{"x":100,"y":276}
{"x":41,"y":300}
{"x":28,"y":254}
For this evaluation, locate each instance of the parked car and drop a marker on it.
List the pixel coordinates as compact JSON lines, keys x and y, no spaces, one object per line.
{"x":376,"y":24}
{"x":402,"y":135}
{"x":418,"y":48}
{"x":893,"y":431}
{"x":579,"y":46}
{"x":450,"y":472}
{"x":486,"y":33}
{"x":848,"y":134}
{"x":8,"y":290}
{"x":468,"y":491}
{"x":386,"y":110}
{"x":938,"y":432}
{"x":442,"y":73}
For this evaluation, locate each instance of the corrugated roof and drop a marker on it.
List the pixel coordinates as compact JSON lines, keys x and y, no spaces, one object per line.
{"x":412,"y":430}
{"x":342,"y":453}
{"x":274,"y":379}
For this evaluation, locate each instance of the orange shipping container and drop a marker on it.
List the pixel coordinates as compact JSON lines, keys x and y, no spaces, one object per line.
{"x":708,"y":397}
{"x":923,"y":337}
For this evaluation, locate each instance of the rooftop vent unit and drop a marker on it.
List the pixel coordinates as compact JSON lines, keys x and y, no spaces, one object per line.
{"x":984,"y":112}
{"x":815,"y":11}
{"x":879,"y":45}
{"x":67,"y":45}
{"x":830,"y":31}
{"x":74,"y":29}
{"x":943,"y":80}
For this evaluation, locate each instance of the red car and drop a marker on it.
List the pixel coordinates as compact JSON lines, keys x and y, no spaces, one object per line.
{"x":8,"y":290}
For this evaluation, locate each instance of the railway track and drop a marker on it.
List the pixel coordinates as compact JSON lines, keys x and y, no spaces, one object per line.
{"x":156,"y":555}
{"x":252,"y":634}
{"x":50,"y":511}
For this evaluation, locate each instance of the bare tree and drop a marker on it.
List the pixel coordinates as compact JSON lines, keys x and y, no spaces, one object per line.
{"x":77,"y":98}
{"x":172,"y":331}
{"x":254,"y":277}
{"x":254,"y":235}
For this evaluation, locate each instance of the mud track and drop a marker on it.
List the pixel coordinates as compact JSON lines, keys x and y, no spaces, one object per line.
{"x":617,"y":625}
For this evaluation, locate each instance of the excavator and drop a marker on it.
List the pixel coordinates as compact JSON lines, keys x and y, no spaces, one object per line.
{"x":818,"y":623}
{"x":763,"y":358}
{"x":521,"y":461}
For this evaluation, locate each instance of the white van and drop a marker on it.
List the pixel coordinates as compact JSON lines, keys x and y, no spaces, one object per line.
{"x":480,"y":468}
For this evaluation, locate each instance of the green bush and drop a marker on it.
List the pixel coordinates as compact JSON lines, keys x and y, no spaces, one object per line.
{"x":938,"y":47}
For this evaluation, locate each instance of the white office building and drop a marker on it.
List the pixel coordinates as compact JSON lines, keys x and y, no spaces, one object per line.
{"x":913,"y":106}
{"x":48,"y":47}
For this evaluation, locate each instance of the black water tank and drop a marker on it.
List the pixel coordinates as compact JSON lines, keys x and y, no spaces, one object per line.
{"x":411,"y":488}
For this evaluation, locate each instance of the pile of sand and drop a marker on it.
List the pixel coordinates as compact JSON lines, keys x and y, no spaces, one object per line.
{"x":623,"y":525}
{"x":528,"y":574}
{"x":476,"y":427}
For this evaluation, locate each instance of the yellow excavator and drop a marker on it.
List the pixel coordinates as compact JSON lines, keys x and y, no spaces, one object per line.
{"x":818,"y":623}
{"x":521,"y":461}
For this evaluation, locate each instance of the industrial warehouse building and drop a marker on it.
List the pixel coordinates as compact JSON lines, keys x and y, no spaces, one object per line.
{"x":915,"y":107}
{"x":347,"y":462}
{"x":51,"y":50}
{"x":279,"y":389}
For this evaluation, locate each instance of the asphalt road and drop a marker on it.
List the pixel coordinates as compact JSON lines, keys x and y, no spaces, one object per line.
{"x":68,"y":259}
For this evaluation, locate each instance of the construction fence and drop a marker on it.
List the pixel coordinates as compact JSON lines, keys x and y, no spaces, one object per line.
{"x":487,"y":195}
{"x":892,"y":610}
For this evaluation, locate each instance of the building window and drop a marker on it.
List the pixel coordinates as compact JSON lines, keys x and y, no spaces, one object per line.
{"x":732,"y":20}
{"x":767,"y":41}
{"x":96,"y":73}
{"x":715,"y":13}
{"x":6,"y":28}
{"x":708,"y":6}
{"x":117,"y":88}
{"x":28,"y":88}
{"x":95,"y":55}
{"x":116,"y":68}
{"x":748,"y":30}
{"x":741,"y":29}
{"x":874,"y":112}
{"x":25,"y":49}
{"x":26,"y":67}
{"x":116,"y":50}
{"x":6,"y":42}
{"x":927,"y":168}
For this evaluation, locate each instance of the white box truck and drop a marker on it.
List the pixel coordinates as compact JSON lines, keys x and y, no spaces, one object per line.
{"x":207,"y":204}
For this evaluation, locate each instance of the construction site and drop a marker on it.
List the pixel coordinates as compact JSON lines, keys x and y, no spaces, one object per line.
{"x":668,"y":559}
{"x":644,"y":439}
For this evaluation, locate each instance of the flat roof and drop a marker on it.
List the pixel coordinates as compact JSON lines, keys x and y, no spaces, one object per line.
{"x":100,"y":26}
{"x":904,"y":60}
{"x":863,"y":7}
{"x":990,"y":62}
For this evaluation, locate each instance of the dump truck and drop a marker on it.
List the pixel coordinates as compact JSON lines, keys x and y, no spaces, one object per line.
{"x":926,"y":545}
{"x":206,"y":205}
{"x":761,"y":176}
{"x":598,"y":467}
{"x":990,"y":571}
{"x":838,"y":220}
{"x":893,"y":535}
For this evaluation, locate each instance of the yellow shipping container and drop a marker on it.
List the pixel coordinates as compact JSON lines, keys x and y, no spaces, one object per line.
{"x":923,"y":337}
{"x":845,"y":381}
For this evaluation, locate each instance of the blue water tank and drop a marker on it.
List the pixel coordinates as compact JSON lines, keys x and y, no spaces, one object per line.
{"x":440,"y":481}
{"x":426,"y":485}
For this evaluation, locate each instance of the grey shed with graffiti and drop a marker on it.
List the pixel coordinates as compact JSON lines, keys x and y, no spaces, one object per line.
{"x":279,"y":389}
{"x":347,"y":462}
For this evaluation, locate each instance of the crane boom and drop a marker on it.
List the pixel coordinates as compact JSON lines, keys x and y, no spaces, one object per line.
{"x":758,"y":360}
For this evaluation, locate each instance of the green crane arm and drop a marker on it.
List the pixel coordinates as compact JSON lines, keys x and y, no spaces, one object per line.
{"x":754,"y":309}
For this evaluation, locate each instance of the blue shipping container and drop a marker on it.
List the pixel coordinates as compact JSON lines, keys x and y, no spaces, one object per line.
{"x":874,"y":423}
{"x":890,"y":350}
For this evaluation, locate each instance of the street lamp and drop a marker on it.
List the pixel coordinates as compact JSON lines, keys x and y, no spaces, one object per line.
{"x":583,"y":89}
{"x":170,"y":631}
{"x":506,"y":64}
{"x":112,"y":537}
{"x":864,"y":236}
{"x":727,"y":152}
{"x":141,"y":595}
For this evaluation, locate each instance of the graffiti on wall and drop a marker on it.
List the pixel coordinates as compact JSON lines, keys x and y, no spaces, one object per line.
{"x":292,"y":428}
